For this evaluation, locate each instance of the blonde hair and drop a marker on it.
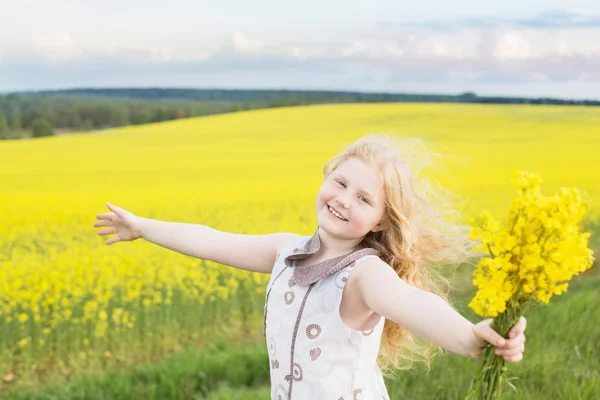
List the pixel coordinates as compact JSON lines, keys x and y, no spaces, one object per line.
{"x":416,"y":236}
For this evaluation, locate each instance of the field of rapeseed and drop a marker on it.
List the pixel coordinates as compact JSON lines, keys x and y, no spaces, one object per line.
{"x":70,"y":303}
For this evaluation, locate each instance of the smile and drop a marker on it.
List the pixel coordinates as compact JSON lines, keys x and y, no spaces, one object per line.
{"x":338,"y":215}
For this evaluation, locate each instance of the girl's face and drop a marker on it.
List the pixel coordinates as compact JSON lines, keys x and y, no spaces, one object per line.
{"x":355,"y":192}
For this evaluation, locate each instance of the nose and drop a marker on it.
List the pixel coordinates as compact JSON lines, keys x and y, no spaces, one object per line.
{"x":342,"y":201}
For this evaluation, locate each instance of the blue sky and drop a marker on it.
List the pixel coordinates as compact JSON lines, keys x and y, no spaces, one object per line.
{"x":534,"y":48}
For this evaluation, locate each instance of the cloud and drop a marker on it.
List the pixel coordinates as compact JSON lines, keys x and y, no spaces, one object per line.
{"x":553,"y":46}
{"x":56,"y":45}
{"x":544,"y":20}
{"x":560,"y":19}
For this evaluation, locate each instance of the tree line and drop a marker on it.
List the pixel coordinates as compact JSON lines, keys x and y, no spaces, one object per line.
{"x":43,"y":113}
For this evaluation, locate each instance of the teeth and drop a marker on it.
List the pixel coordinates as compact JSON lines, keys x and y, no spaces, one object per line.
{"x":336,"y":214}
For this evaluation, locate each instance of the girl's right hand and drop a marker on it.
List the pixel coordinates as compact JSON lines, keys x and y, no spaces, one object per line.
{"x":122,"y":222}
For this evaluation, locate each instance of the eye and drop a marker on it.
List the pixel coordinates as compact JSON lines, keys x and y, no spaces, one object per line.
{"x":364,"y":199}
{"x":341,"y":183}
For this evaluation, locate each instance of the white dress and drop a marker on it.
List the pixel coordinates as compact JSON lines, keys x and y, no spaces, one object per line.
{"x":313,"y":354}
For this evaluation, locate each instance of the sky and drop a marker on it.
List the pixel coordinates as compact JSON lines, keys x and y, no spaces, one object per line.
{"x":510,"y":48}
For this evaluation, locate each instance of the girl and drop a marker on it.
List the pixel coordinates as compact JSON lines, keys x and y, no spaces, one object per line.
{"x":353,"y":290}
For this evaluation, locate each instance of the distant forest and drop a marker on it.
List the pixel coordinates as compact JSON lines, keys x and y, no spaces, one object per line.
{"x":44,"y":113}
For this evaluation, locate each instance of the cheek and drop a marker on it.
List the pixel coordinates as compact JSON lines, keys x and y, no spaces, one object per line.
{"x":365,"y":216}
{"x":321,"y":198}
{"x":326,"y":193}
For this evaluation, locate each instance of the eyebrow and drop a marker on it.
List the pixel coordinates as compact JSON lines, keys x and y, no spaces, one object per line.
{"x":361,"y":190}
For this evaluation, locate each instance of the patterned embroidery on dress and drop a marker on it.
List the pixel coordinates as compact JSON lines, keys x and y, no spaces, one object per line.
{"x":342,"y":276}
{"x":289,"y":297}
{"x":315,"y":353}
{"x":296,"y":373}
{"x":272,"y":353}
{"x":291,"y":283}
{"x":325,"y":303}
{"x":313,"y":331}
{"x":266,"y":309}
{"x":351,"y":383}
{"x":280,"y":393}
{"x":272,"y":347}
{"x":296,"y":370}
{"x":357,"y":394}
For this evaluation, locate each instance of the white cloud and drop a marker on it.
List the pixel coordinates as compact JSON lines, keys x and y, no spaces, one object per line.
{"x":56,"y":45}
{"x":485,"y":50}
{"x":241,"y":43}
{"x":449,"y":51}
{"x":511,"y":45}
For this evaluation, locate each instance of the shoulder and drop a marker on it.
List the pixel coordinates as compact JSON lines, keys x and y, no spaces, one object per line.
{"x":284,"y":240}
{"x":366,"y":268}
{"x":371,"y":272}
{"x":378,"y":286}
{"x":368,"y":265}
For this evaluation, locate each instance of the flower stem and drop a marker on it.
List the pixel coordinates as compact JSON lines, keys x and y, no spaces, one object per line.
{"x":492,"y":374}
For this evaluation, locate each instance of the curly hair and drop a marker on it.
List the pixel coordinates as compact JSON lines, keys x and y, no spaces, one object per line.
{"x":416,"y":238}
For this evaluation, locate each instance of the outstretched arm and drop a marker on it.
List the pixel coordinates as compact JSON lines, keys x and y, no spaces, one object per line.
{"x":428,"y":315}
{"x":255,"y":253}
{"x":249,"y":252}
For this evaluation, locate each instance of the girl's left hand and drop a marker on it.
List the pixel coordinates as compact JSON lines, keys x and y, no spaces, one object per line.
{"x":512,"y":348}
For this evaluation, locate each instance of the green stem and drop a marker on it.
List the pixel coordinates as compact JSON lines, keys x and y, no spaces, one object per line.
{"x":493,"y":373}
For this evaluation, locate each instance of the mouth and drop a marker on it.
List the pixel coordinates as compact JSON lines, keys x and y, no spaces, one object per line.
{"x":335,"y":213}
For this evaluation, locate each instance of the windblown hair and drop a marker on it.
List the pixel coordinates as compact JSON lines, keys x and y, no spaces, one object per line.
{"x":416,"y":238}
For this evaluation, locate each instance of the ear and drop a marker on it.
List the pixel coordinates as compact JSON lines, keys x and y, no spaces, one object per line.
{"x":377,"y":228}
{"x":380,"y":226}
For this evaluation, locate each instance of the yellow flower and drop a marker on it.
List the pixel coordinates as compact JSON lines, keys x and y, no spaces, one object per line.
{"x":533,"y":252}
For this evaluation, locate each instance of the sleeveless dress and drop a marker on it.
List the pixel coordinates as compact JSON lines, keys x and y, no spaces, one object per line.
{"x":312,"y":353}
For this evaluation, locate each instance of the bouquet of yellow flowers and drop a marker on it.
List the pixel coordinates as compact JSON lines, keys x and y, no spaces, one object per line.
{"x":533,"y":255}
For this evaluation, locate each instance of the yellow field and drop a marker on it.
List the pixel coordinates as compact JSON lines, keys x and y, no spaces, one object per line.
{"x":69,"y":301}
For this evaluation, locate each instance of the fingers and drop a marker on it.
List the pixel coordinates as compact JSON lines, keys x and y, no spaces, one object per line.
{"x":103,"y":223}
{"x":110,"y":231}
{"x":518,"y":328}
{"x":517,"y":342}
{"x":513,"y":349}
{"x":105,"y":219}
{"x":514,"y":359}
{"x":510,"y":352}
{"x":113,"y":240}
{"x":114,"y":209}
{"x":485,"y":331}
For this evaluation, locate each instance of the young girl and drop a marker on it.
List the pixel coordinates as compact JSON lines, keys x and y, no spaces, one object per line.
{"x":353,"y":290}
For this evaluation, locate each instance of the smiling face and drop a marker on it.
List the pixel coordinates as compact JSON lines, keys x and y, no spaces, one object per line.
{"x":355,"y":192}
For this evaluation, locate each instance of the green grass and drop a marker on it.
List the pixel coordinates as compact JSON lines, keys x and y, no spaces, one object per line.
{"x":189,"y":374}
{"x":561,"y":362}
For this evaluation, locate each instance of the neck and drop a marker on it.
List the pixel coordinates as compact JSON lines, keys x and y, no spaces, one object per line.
{"x":330,"y":247}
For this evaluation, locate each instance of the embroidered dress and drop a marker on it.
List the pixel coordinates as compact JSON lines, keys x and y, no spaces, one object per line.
{"x":313,"y":354}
